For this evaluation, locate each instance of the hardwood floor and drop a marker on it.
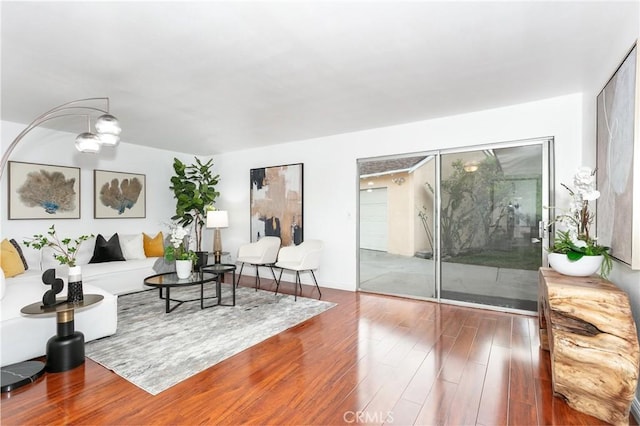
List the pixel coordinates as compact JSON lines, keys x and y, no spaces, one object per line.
{"x":371,"y":359}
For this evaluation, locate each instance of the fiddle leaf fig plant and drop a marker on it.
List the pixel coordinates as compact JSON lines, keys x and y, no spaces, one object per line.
{"x":193,"y":188}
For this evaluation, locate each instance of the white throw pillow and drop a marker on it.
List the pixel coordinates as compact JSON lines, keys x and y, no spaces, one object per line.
{"x":132,"y":246}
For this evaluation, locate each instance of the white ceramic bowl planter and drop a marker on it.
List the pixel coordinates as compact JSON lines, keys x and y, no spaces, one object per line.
{"x":583,"y":267}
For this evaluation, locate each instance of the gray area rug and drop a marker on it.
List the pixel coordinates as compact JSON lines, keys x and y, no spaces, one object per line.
{"x":155,"y":350}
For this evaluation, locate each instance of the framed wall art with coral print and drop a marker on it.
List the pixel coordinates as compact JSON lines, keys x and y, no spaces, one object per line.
{"x":42,"y":191}
{"x":118,"y":195}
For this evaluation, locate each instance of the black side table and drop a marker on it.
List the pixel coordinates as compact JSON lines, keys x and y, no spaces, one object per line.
{"x":65,"y":350}
{"x":219,"y":269}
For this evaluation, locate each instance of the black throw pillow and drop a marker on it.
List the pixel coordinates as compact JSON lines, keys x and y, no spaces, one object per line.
{"x":19,"y":250}
{"x":107,"y":251}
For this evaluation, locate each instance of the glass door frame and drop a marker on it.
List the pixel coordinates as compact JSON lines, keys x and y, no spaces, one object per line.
{"x":543,"y":227}
{"x":359,"y":161}
{"x":545,"y":231}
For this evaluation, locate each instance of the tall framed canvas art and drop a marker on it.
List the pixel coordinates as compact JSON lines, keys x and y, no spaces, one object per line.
{"x":118,"y":195}
{"x":618,"y":163}
{"x":43,"y":191}
{"x":276,"y":203}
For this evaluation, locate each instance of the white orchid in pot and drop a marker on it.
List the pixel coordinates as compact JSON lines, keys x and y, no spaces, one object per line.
{"x":575,"y":243}
{"x":178,"y":251}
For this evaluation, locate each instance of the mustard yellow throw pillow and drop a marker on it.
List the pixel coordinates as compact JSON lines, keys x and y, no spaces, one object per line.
{"x":10,"y":261}
{"x":153,"y":247}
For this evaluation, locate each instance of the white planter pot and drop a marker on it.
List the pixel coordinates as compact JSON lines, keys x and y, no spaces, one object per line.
{"x":183,"y":268}
{"x":583,"y":267}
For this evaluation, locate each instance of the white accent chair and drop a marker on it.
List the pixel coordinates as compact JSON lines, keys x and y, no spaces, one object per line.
{"x":303,"y":257}
{"x":263,"y":252}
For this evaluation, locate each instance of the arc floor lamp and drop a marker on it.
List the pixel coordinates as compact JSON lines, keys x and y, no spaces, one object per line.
{"x":107,"y":128}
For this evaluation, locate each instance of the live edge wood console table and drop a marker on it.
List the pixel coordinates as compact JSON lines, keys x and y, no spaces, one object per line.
{"x":587,"y":326}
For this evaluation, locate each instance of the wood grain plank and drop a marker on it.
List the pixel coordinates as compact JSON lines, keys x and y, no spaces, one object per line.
{"x":454,"y":365}
{"x":494,"y":403}
{"x":469,"y":390}
{"x":420,"y":385}
{"x":522,"y":387}
{"x":481,"y":347}
{"x":438,"y":403}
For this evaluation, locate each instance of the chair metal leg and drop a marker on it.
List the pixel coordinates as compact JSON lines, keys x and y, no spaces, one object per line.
{"x":278,"y":280}
{"x":239,"y":275}
{"x":298,"y":283}
{"x":316,"y":281}
{"x":257,"y":278}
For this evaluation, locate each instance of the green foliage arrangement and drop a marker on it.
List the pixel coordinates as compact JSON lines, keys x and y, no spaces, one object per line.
{"x":193,"y":188}
{"x":65,"y":250}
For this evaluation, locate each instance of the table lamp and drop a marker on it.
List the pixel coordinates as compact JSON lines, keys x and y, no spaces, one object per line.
{"x":217,"y":219}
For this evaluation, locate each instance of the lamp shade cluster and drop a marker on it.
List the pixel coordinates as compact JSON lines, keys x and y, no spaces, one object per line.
{"x":107,"y":133}
{"x":107,"y":126}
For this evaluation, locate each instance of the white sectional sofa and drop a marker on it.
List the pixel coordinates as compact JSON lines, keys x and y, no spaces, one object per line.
{"x":24,"y":337}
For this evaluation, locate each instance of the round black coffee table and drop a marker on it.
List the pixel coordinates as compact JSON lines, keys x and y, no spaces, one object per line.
{"x":168,"y":280}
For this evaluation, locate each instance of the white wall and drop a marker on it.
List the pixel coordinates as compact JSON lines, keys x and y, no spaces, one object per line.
{"x":57,"y":148}
{"x":330,"y":170}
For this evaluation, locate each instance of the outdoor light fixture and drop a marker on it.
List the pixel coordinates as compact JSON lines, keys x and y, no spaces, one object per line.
{"x":107,"y":126}
{"x":471,"y":166}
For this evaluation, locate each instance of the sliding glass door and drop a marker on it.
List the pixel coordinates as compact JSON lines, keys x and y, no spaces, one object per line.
{"x":463,"y":226}
{"x":490,"y":219}
{"x":396,"y":216}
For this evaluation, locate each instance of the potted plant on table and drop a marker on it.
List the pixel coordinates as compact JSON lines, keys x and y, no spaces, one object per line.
{"x":193,"y":188}
{"x":575,"y":251}
{"x":65,"y":251}
{"x":179,"y":252}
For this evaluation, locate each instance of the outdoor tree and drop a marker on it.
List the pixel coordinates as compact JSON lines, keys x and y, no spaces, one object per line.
{"x":473,"y":206}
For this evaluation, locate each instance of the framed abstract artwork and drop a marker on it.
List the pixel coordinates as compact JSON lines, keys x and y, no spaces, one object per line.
{"x":118,"y":195}
{"x":42,"y":191}
{"x":276,"y":203}
{"x":618,"y":163}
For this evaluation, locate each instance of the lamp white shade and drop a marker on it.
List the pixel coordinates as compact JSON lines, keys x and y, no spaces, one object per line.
{"x":217,"y":219}
{"x":108,"y":139}
{"x":107,"y":123}
{"x":88,"y":142}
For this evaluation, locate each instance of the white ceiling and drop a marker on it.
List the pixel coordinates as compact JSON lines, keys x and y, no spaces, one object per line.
{"x":212,"y":77}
